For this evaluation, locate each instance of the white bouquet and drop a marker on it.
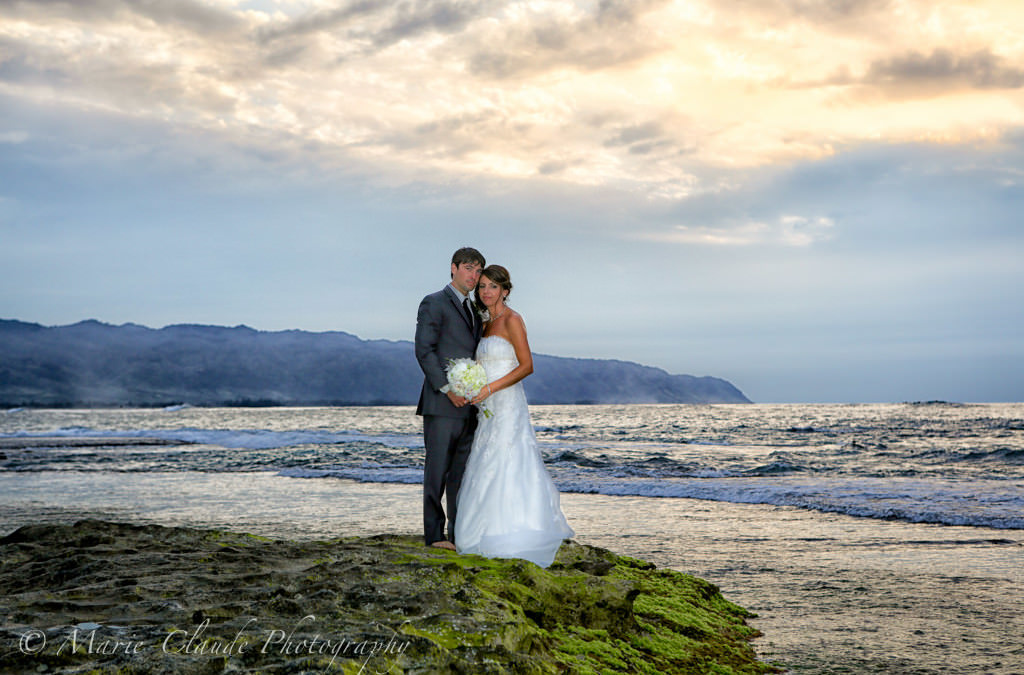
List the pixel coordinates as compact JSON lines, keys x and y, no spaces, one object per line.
{"x":466,"y":378}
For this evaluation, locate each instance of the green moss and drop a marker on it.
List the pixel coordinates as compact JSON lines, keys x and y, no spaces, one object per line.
{"x":595,"y":612}
{"x":445,"y":635}
{"x":589,"y":651}
{"x":687,"y":621}
{"x":591,"y":612}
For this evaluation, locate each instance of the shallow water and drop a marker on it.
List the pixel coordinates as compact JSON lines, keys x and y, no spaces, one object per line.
{"x":952,"y":464}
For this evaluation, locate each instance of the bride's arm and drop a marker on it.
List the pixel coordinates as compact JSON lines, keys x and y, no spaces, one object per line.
{"x":517,"y":336}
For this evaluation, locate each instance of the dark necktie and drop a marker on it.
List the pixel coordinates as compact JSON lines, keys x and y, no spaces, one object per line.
{"x":469,"y":312}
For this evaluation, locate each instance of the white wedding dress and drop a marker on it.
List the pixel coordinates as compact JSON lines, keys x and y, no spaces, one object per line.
{"x":508,"y":504}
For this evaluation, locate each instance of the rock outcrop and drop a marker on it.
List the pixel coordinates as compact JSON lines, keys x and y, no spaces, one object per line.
{"x":152,"y":599}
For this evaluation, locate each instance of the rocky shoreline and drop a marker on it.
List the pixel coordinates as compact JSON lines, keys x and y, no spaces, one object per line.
{"x":115,"y":597}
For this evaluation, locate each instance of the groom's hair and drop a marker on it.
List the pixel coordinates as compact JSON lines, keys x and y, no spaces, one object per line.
{"x":468,"y":255}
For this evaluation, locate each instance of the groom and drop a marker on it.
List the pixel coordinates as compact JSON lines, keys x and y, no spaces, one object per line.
{"x":446,"y":328}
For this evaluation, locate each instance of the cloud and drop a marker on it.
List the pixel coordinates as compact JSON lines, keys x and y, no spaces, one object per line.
{"x":943,"y":71}
{"x":458,"y":135}
{"x":13,"y":137}
{"x":531,"y":43}
{"x":825,"y":11}
{"x":111,"y":74}
{"x":369,"y":26}
{"x":783,"y":231}
{"x":443,"y":16}
{"x":634,"y":133}
{"x":646,"y":138}
{"x":320,"y":21}
{"x":197,"y":16}
{"x":644,"y":95}
{"x":919,"y":75}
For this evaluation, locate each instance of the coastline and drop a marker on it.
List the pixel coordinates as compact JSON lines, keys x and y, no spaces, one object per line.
{"x":156,"y":599}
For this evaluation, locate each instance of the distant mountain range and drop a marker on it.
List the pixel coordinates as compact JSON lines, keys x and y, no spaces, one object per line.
{"x":96,"y":364}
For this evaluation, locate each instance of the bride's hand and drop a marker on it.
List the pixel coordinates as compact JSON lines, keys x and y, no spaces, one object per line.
{"x":481,"y":395}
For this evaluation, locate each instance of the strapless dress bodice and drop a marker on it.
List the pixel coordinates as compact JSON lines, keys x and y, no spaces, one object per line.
{"x":496,"y":355}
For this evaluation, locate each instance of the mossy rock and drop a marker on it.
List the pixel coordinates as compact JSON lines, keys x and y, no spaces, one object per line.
{"x":204,"y":601}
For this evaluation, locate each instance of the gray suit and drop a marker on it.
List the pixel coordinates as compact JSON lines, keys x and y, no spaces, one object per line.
{"x":443,"y":332}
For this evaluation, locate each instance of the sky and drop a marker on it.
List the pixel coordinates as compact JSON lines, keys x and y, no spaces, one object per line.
{"x":818,"y":200}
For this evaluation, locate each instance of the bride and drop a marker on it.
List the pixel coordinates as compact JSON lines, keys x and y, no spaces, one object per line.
{"x":508,"y":506}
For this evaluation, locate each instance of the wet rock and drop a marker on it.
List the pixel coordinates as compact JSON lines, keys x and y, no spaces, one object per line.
{"x":159,"y":600}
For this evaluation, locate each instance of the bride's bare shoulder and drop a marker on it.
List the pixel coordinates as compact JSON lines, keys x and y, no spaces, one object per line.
{"x":509,"y":326}
{"x":514,"y":323}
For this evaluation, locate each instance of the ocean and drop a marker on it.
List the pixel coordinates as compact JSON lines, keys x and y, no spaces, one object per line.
{"x":867,"y":538}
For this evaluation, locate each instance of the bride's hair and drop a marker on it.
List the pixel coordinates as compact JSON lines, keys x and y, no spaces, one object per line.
{"x":498,"y":275}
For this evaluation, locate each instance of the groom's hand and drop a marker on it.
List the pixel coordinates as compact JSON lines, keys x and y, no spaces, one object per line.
{"x":456,"y":400}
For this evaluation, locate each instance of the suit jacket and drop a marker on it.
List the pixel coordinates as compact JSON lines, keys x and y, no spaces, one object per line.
{"x":443,"y":332}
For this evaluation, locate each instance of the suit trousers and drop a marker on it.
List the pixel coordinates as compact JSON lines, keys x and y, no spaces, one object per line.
{"x":448,"y":441}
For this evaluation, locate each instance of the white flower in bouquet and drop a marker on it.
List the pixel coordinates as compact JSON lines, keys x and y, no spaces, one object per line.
{"x":466,"y":378}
